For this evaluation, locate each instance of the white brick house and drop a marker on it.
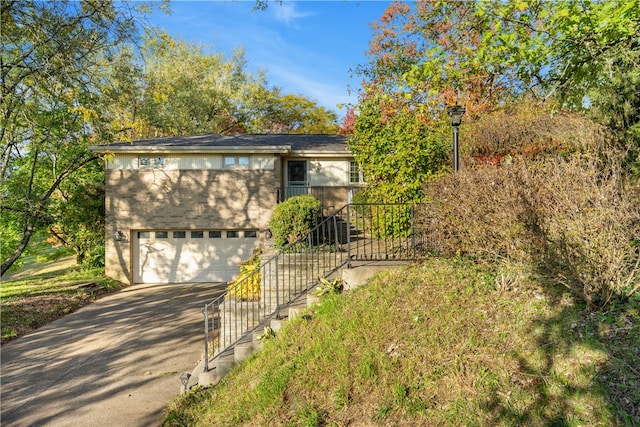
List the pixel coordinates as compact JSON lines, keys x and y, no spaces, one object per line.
{"x":189,"y":209}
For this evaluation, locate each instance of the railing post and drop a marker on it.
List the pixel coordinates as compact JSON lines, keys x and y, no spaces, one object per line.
{"x":413,"y":231}
{"x":336,"y":236}
{"x":349,"y":235}
{"x":206,"y":338}
{"x":277,"y":310}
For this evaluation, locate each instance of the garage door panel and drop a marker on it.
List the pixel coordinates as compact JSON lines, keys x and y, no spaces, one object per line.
{"x":176,"y":260}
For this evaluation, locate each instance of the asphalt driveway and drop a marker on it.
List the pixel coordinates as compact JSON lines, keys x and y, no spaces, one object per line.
{"x":115,"y":362}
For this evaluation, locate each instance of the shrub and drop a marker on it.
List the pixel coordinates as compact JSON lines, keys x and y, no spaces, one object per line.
{"x":246,"y":286}
{"x":294,"y":218}
{"x":381,"y":219}
{"x":329,"y":287}
{"x":567,"y":213}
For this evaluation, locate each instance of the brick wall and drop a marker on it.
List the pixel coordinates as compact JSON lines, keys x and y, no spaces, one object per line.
{"x":189,"y":199}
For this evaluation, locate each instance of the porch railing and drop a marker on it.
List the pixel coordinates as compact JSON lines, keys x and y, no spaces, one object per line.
{"x":322,"y":193}
{"x":363,"y":232}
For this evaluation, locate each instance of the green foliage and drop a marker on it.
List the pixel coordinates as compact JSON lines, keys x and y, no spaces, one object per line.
{"x":246,"y":285}
{"x":78,"y":215}
{"x":188,"y":91}
{"x":381,"y":221}
{"x":294,"y":218}
{"x":53,"y":104}
{"x":484,"y":55}
{"x":397,"y":154}
{"x":267,"y":334}
{"x":293,"y":114}
{"x":616,"y":103}
{"x":327,"y":287}
{"x":490,"y":51}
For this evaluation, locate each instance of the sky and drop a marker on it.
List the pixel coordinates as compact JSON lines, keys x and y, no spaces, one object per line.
{"x":307,"y":48}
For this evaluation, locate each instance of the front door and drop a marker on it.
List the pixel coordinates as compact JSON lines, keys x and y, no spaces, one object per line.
{"x":296,"y":177}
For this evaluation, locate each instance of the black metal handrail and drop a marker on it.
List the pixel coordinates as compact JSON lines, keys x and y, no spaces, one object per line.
{"x":356,"y":232}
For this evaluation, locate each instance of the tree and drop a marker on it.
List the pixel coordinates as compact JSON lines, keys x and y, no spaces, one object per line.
{"x":51,"y":82}
{"x":484,"y":54}
{"x":180,"y":89}
{"x":426,"y":55}
{"x":397,"y":154}
{"x":348,"y":124}
{"x":185,"y":91}
{"x":77,"y":215}
{"x":294,"y":114}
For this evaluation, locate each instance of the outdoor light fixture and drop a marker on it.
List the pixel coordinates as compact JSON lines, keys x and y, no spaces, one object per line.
{"x":119,"y":236}
{"x":455,"y":113}
{"x":184,"y":379}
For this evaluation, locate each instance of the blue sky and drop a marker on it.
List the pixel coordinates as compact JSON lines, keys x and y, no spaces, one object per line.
{"x":305,"y":47}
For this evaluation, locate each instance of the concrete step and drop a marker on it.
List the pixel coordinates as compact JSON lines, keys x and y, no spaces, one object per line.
{"x":276,"y":324}
{"x":223,"y":364}
{"x":297,"y":310}
{"x":220,"y":367}
{"x":242,"y":351}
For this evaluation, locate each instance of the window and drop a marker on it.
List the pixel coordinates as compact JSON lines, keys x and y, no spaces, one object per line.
{"x":151,"y":162}
{"x":232,"y":234}
{"x":354,"y":172}
{"x":179,"y":234}
{"x":215,"y":234}
{"x":250,"y":234}
{"x":143,"y":234}
{"x":231,"y":161}
{"x":161,"y":234}
{"x":197,"y":234}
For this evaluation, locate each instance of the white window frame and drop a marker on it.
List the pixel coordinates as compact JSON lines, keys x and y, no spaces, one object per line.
{"x":354,"y":168}
{"x":235,"y":161}
{"x":148,"y":162}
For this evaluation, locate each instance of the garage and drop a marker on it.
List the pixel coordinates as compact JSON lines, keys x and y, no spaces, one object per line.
{"x":183,"y":256}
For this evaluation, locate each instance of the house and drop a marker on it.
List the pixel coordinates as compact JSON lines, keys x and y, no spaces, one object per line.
{"x":190,"y":209}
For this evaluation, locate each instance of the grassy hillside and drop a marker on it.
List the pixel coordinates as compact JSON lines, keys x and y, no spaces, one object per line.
{"x":442,"y":343}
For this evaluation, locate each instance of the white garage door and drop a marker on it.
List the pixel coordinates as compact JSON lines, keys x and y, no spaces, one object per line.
{"x":191,"y":256}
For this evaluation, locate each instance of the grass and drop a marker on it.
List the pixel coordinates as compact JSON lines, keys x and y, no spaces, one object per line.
{"x":436,"y":344}
{"x":39,"y":293}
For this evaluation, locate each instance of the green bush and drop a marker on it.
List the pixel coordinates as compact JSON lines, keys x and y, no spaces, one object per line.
{"x":381,"y":219}
{"x":294,"y":218}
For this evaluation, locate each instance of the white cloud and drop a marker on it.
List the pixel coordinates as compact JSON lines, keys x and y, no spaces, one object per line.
{"x":287,"y":12}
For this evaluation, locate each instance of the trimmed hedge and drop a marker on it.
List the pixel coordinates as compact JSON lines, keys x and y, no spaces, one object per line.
{"x":294,"y":218}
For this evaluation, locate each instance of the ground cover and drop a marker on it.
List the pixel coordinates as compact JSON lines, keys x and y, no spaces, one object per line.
{"x":39,"y":293}
{"x":442,"y":343}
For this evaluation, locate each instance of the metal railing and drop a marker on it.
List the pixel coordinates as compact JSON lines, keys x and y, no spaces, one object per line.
{"x":356,"y":232}
{"x":325,"y":194}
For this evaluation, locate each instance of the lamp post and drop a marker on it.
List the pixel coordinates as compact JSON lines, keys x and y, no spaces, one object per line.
{"x":455,"y":115}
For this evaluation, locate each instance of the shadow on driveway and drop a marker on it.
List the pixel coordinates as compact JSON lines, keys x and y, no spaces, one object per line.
{"x":115,"y":362}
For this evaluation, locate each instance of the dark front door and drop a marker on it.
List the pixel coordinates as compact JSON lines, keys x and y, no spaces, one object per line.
{"x":296,"y":177}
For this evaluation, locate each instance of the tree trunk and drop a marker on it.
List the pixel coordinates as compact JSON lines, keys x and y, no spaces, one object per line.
{"x":26,"y":237}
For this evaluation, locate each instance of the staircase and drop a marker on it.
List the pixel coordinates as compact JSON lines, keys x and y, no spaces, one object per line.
{"x":353,"y":234}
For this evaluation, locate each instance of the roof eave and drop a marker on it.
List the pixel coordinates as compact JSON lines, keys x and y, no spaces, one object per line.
{"x":321,"y":153}
{"x":159,"y":149}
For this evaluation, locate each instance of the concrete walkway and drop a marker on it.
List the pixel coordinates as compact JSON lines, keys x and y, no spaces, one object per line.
{"x":115,"y":362}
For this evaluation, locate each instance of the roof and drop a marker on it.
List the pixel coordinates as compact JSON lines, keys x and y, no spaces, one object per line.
{"x":293,"y":144}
